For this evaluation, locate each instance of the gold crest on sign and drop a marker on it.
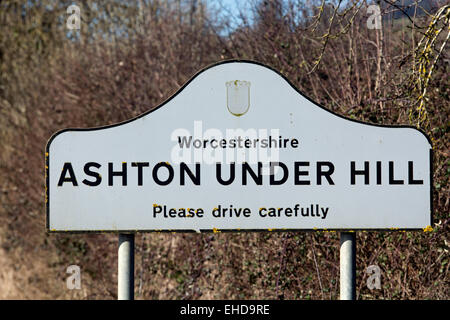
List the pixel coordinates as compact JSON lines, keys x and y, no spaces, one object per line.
{"x":238,"y":97}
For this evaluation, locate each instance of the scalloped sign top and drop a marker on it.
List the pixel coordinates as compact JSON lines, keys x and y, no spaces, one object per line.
{"x":238,"y":148}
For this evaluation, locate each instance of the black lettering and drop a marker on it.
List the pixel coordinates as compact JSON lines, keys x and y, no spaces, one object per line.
{"x":219,"y":174}
{"x":272,"y":173}
{"x":327,"y":174}
{"x":354,"y":172}
{"x":247,"y":169}
{"x":264,"y":143}
{"x":67,"y":168}
{"x":156,"y":209}
{"x":185,"y":169}
{"x":391,"y":174}
{"x":140,"y":166}
{"x":112,"y":173}
{"x":378,"y":172}
{"x":96,"y":175}
{"x":155,"y":173}
{"x":298,"y":173}
{"x":184,"y":142}
{"x":411,"y":174}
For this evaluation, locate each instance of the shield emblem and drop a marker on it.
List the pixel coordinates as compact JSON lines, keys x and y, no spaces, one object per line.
{"x":238,"y":97}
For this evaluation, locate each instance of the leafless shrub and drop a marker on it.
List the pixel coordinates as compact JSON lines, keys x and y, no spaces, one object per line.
{"x":130,"y":58}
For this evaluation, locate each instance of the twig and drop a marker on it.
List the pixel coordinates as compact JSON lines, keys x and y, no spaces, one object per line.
{"x":315,"y":263}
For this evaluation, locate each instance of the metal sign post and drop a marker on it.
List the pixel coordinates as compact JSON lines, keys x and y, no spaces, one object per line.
{"x":348,"y":266}
{"x":126,"y":267}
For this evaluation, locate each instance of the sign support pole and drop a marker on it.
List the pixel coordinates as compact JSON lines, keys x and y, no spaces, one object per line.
{"x":348,"y":266}
{"x":126,"y":267}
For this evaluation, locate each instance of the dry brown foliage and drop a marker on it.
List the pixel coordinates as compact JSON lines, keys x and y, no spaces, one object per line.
{"x":128,"y":59}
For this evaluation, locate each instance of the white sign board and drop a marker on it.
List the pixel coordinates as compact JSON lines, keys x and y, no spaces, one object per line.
{"x":238,"y":148}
